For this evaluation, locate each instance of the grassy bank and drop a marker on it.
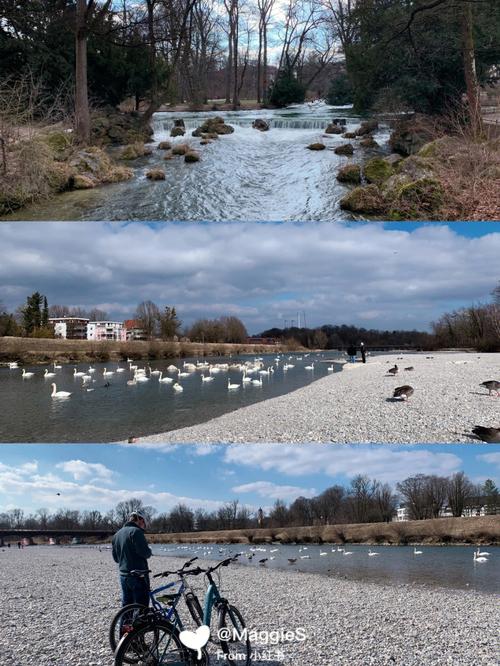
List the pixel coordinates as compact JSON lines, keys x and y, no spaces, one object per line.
{"x":445,"y":531}
{"x":33,"y":351}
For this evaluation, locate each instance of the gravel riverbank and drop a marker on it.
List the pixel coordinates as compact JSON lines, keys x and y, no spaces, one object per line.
{"x":356,"y":405}
{"x":56,"y":605}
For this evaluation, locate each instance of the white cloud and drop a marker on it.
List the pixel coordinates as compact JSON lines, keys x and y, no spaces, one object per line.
{"x":361,"y":273}
{"x":275,"y":491}
{"x":384,"y":463}
{"x":491,"y":458}
{"x":80,"y":470}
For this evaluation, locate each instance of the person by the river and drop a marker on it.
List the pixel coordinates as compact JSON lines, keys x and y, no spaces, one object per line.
{"x":351,"y":352}
{"x":131,"y":552}
{"x":363,"y":352}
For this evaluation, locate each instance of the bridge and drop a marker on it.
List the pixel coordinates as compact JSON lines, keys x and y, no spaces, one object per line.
{"x":56,"y":534}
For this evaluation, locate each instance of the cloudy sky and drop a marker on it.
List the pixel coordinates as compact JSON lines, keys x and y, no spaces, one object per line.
{"x":373,"y":275}
{"x":99,"y":476}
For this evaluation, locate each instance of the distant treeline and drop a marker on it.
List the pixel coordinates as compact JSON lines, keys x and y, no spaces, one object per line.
{"x":365,"y":500}
{"x":342,"y":336}
{"x":477,"y":326}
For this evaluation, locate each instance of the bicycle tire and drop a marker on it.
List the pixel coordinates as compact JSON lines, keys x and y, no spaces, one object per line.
{"x":156,"y":643}
{"x":235,"y":650}
{"x":115,"y":631}
{"x":194,"y":607}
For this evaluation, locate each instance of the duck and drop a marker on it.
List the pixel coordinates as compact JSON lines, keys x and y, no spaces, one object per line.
{"x":58,"y":394}
{"x":490,"y":435}
{"x":492,"y":385}
{"x":263,"y":560}
{"x":403,"y":392}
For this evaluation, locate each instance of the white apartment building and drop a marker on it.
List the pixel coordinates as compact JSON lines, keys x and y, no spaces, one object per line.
{"x":106,"y":330}
{"x":69,"y":328}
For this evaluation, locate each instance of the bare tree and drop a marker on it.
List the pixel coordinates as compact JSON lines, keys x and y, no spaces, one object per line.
{"x":460,"y":490}
{"x":148,"y":316}
{"x":265,"y":8}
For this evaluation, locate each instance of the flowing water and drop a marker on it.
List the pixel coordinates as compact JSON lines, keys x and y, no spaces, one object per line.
{"x":245,"y":176}
{"x":108,"y":408}
{"x":451,"y":566}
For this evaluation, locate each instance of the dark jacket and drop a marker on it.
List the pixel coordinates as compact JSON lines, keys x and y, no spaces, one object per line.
{"x":130,"y":548}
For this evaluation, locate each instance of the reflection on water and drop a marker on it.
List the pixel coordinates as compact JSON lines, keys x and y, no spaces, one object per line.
{"x":112,"y":408}
{"x":450,"y":566}
{"x":245,"y":176}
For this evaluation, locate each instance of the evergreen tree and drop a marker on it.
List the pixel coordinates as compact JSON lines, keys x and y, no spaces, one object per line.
{"x":45,"y":313}
{"x":492,"y":495}
{"x":32,"y":313}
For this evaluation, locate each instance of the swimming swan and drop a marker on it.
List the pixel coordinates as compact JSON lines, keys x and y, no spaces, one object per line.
{"x":27,"y":374}
{"x":58,"y":394}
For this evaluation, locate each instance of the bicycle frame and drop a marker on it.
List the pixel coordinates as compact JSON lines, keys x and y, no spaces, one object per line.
{"x":212,"y":598}
{"x":168,"y":611}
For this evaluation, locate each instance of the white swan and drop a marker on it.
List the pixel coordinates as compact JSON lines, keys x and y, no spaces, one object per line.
{"x":90,"y":369}
{"x":77,"y":374}
{"x":172,"y":368}
{"x":347,"y":552}
{"x":120,"y":369}
{"x":207,"y":378}
{"x":131,"y":382}
{"x":107,"y":373}
{"x":245,"y":379}
{"x":153,"y":372}
{"x":371,"y":553}
{"x":330,"y":368}
{"x":165,"y":380}
{"x":13,"y":365}
{"x":182,"y":374}
{"x":257,"y":382}
{"x":232,"y":386}
{"x":305,"y":557}
{"x":57,"y":367}
{"x":322,"y":553}
{"x":49,"y":374}
{"x":177,"y":387}
{"x":309,"y":367}
{"x":483,"y":554}
{"x":140,"y":377}
{"x":479,"y":559}
{"x":58,"y":394}
{"x":417,"y":552}
{"x":27,"y":374}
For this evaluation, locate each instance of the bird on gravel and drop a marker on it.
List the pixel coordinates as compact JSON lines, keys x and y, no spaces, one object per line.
{"x":490,"y":435}
{"x":292,"y":560}
{"x":393,"y":371}
{"x":263,"y":560}
{"x":403,"y":392}
{"x":410,"y":368}
{"x":492,"y":385}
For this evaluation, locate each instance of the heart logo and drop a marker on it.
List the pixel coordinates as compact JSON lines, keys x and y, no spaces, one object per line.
{"x":195,"y":640}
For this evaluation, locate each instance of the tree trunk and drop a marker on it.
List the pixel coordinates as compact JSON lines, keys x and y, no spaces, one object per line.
{"x":229,"y":70}
{"x":82,"y":112}
{"x":259,"y":66}
{"x":265,"y":84}
{"x":472,"y":87}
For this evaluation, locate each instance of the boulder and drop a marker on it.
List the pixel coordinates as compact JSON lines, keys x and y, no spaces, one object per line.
{"x":367,"y":127}
{"x":350,"y":173}
{"x":393,"y":159}
{"x":316,"y":146}
{"x":180,"y":149}
{"x":344,"y":149}
{"x":409,"y":136}
{"x":213,"y":126}
{"x":260,"y":124}
{"x":419,"y":199}
{"x":416,"y":167}
{"x":366,"y":200}
{"x":134,"y":150}
{"x":60,"y":143}
{"x":368,"y":142}
{"x":95,"y":164}
{"x":110,"y":126}
{"x":164,"y":145}
{"x":179,"y":122}
{"x":377,"y":170}
{"x":205,"y":142}
{"x":191,"y":156}
{"x":333,"y":128}
{"x":81,"y":182}
{"x":155,"y":174}
{"x":177,"y":131}
{"x":349,"y":135}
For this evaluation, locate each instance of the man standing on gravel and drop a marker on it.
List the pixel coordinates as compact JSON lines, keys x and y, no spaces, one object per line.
{"x":131,"y":552}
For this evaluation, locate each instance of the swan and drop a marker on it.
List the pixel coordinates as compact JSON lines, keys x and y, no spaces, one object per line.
{"x":165,"y":380}
{"x":172,"y":368}
{"x":57,"y":367}
{"x":347,"y":552}
{"x":120,"y":369}
{"x":13,"y":365}
{"x":257,"y":382}
{"x":106,"y":373}
{"x":322,"y":553}
{"x":177,"y":387}
{"x":309,"y":367}
{"x":86,"y":378}
{"x":245,"y":379}
{"x":483,"y":554}
{"x":90,"y":370}
{"x":182,"y":374}
{"x":27,"y":374}
{"x":141,"y":378}
{"x":207,"y":378}
{"x":153,"y":372}
{"x":58,"y":394}
{"x":131,"y":382}
{"x":305,"y":557}
{"x":330,"y":368}
{"x":232,"y":386}
{"x":479,"y":559}
{"x":77,"y":373}
{"x":372,"y":554}
{"x":49,"y":374}
{"x":417,"y":552}
{"x":264,"y":372}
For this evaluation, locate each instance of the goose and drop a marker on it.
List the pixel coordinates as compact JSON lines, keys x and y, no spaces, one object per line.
{"x":309,"y":367}
{"x":403,"y":392}
{"x":58,"y":394}
{"x":372,"y":553}
{"x":417,"y":552}
{"x":393,"y":371}
{"x":483,"y":554}
{"x":107,"y":373}
{"x":165,"y":380}
{"x":478,"y":558}
{"x":263,"y":560}
{"x":492,"y":385}
{"x":177,"y":387}
{"x":292,"y":560}
{"x":48,"y":374}
{"x":490,"y":435}
{"x":77,"y":373}
{"x":27,"y":374}
{"x":232,"y":386}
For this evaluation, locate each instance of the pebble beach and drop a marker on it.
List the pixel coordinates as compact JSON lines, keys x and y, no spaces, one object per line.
{"x":356,"y":405}
{"x":56,"y":604}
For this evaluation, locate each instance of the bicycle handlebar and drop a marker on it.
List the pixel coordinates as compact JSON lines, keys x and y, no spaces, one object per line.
{"x":197,"y":570}
{"x":178,"y":571}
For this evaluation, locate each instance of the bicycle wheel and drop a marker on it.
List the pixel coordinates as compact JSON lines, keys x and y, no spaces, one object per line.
{"x":154,"y":644}
{"x":236,"y":647}
{"x":194,"y":607}
{"x":123,"y":622}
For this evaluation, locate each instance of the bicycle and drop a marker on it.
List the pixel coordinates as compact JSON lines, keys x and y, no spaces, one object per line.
{"x":231,"y":630}
{"x":152,"y":626}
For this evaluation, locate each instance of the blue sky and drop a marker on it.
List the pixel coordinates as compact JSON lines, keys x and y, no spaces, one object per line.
{"x":99,"y":476}
{"x":376,"y":275}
